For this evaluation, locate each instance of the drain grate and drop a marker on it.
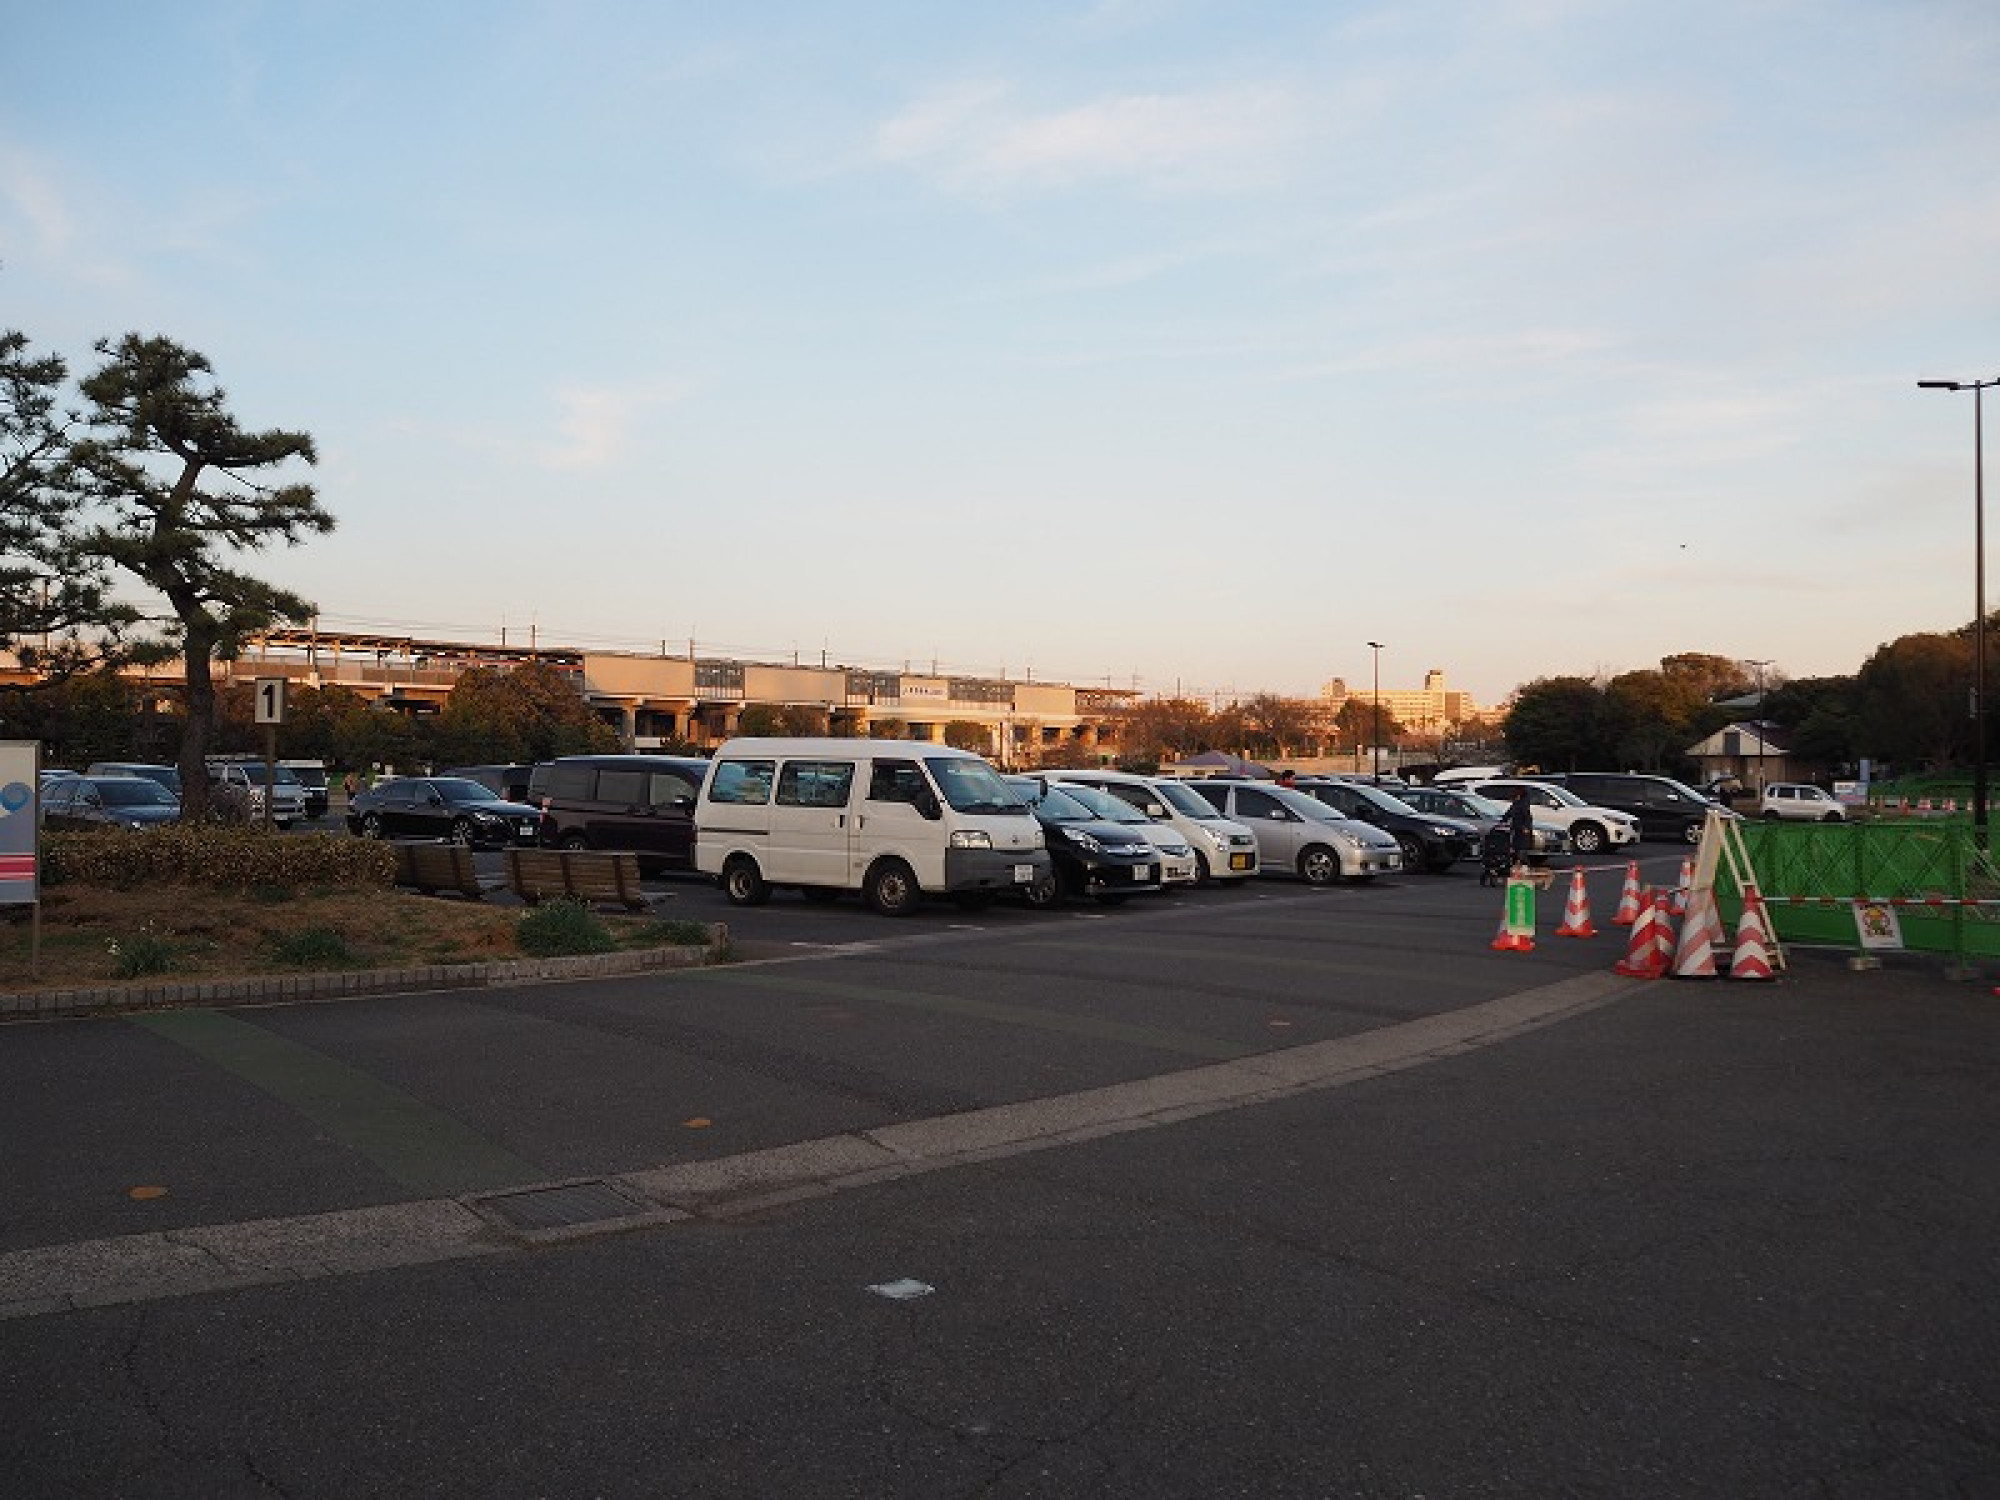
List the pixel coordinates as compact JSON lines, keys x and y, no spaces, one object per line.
{"x":566,"y":1207}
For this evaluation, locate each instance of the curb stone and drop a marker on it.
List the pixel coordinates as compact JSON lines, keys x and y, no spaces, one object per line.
{"x":42,"y":1005}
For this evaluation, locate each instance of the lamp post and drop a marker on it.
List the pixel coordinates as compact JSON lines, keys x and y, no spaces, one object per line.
{"x":1978,"y":597}
{"x":1757,"y":728}
{"x":1376,"y":647}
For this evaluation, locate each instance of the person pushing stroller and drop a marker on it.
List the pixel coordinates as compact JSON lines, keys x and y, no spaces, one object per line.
{"x":1508,"y":843}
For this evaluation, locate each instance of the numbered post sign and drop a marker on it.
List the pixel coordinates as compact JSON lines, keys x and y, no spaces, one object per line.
{"x":270,"y":700}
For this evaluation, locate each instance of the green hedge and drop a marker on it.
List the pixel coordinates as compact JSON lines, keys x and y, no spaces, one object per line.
{"x":227,"y":858}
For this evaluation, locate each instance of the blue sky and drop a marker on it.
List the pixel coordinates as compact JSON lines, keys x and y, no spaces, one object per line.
{"x":1178,"y":344}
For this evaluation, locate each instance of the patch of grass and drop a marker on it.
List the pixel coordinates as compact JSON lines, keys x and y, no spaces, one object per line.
{"x":312,"y":948}
{"x":560,"y":928}
{"x":678,"y":932}
{"x":140,"y":954}
{"x":266,"y":894}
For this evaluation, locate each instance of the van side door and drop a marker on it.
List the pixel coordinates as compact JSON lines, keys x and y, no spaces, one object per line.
{"x":811,"y":826}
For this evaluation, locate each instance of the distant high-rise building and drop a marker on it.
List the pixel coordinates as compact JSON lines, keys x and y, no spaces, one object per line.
{"x":1424,"y":710}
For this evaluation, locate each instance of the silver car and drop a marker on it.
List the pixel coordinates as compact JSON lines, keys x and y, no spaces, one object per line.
{"x":1301,"y":835}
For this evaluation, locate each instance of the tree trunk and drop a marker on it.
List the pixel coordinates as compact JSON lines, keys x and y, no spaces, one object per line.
{"x":199,"y":729}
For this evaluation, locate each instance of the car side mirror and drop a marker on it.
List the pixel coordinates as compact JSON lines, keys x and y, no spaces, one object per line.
{"x":1154,"y":810}
{"x":927,"y":803}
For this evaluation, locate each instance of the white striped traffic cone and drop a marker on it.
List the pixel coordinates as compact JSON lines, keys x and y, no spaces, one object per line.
{"x":1628,"y":899}
{"x":1694,"y":955}
{"x":1576,"y":911}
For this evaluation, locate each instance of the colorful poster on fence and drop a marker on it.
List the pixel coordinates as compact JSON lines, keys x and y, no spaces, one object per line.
{"x":18,"y":763}
{"x":1877,"y":924}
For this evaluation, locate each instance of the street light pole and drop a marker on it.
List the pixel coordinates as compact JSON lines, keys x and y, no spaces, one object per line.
{"x":1978,"y":596}
{"x":1758,"y":727}
{"x":1376,"y":647}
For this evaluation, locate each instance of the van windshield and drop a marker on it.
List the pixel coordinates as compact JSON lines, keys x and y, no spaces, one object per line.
{"x":972,"y":786}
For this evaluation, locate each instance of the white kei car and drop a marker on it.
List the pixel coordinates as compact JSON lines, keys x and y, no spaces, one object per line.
{"x":1795,"y":800}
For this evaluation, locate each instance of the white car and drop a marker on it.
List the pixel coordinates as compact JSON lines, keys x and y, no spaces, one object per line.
{"x":1791,"y":800}
{"x":1177,"y":861}
{"x":1591,"y":830}
{"x":1301,"y":835}
{"x":1223,"y":850}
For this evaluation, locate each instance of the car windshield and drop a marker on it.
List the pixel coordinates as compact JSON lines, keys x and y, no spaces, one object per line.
{"x":972,"y":786}
{"x":1480,"y":807}
{"x":460,"y":789}
{"x":1382,"y":799}
{"x":1685,"y":790}
{"x":133,"y":791}
{"x":1181,"y":800}
{"x":1055,"y":805}
{"x":1305,"y":805}
{"x":1562,"y":794}
{"x":1111,"y":809}
{"x":280,"y":775}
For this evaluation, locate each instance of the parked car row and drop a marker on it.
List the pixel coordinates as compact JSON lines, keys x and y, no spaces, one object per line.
{"x":107,"y":793}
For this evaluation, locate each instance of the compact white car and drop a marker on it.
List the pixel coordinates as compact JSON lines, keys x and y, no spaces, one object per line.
{"x":1223,"y":850}
{"x":1591,"y":830}
{"x":1789,"y":800}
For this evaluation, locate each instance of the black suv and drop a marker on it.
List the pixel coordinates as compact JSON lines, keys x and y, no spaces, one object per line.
{"x":1430,"y":841}
{"x":1665,"y":808}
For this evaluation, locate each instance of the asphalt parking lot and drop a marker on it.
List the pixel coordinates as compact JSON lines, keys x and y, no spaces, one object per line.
{"x":1480,"y":1222}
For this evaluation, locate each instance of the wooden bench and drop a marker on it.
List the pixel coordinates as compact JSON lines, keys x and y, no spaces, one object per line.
{"x":438,"y":867}
{"x":589,"y":875}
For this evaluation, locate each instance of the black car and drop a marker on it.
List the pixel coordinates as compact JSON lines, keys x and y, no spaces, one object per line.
{"x":80,"y":802}
{"x":1665,"y":808}
{"x":509,"y":782}
{"x":440,"y":807}
{"x":1430,"y":841}
{"x":1089,"y":856}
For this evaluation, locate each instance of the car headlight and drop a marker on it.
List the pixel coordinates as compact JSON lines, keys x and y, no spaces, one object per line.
{"x":972,"y":838}
{"x":1439,"y":831}
{"x":1353,"y":841}
{"x":1083,"y":840}
{"x":1178,"y":851}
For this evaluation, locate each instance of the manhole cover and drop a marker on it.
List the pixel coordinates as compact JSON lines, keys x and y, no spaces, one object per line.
{"x":561,"y":1207}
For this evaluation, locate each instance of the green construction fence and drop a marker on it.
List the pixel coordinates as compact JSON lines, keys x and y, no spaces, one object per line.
{"x":1934,"y":876}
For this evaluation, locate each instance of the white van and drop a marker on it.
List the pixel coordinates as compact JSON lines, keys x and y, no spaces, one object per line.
{"x":894,"y":819}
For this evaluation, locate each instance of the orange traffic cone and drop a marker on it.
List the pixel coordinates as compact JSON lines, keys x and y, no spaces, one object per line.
{"x":1751,"y":958}
{"x":1694,"y":956}
{"x":1681,"y":889}
{"x":1642,"y":958}
{"x":1576,"y":912}
{"x":1628,"y":899}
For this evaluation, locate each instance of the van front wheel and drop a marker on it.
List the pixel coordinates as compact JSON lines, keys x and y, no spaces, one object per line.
{"x":743,"y":883}
{"x":892,"y":889}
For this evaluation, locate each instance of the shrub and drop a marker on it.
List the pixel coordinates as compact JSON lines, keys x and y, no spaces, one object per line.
{"x":566,"y":926}
{"x":225,"y":858}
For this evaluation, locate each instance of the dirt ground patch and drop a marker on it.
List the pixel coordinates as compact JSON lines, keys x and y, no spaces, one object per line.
{"x":94,"y":936}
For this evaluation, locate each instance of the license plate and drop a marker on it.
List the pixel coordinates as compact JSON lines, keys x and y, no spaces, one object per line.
{"x":1024,"y":874}
{"x":1239,"y":861}
{"x":1141,"y":874}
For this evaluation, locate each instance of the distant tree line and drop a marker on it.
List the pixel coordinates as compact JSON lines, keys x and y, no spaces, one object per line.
{"x":1908,"y":705}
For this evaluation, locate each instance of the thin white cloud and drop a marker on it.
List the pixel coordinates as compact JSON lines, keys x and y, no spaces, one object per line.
{"x":597,"y":426}
{"x":976,"y":137}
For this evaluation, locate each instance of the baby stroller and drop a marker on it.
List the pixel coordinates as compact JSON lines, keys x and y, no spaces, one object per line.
{"x":1496,"y":855}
